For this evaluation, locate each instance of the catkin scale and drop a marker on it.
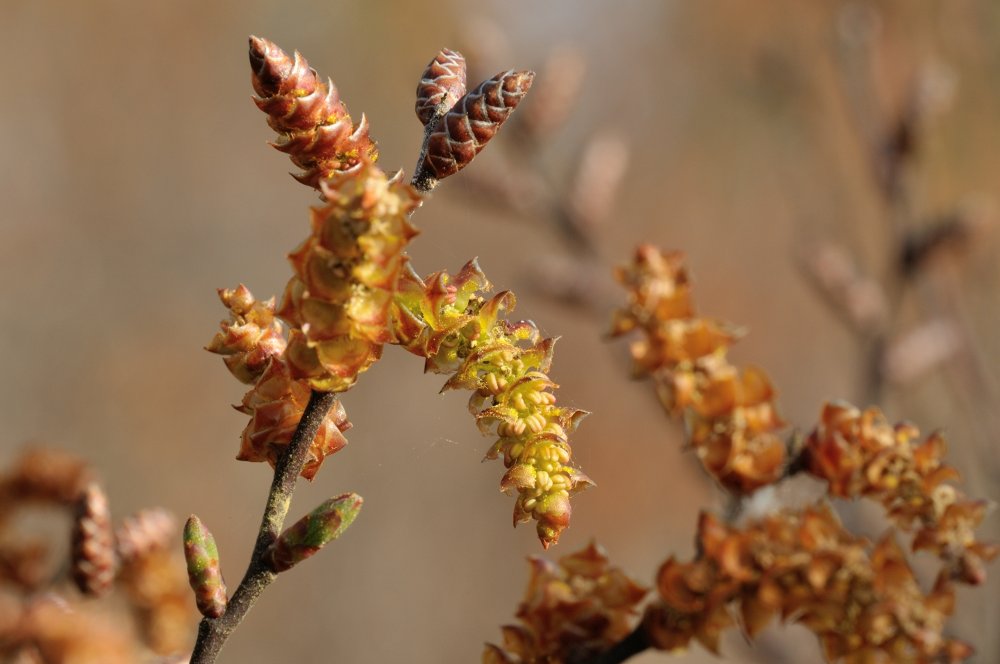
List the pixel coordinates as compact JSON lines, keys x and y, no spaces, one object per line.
{"x":441,"y":86}
{"x":473,"y":121}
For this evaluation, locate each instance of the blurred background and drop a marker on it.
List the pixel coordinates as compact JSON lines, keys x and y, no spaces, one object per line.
{"x":790,"y":148}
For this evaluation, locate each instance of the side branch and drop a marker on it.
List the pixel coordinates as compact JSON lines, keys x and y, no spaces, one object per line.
{"x":213,"y":633}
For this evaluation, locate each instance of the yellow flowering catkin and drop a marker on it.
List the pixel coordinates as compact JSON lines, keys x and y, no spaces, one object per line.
{"x":338,"y":303}
{"x":448,"y":320}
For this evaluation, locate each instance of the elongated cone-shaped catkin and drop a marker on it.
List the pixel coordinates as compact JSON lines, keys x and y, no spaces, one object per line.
{"x":313,"y":531}
{"x":448,"y":320}
{"x":731,"y":412}
{"x":93,"y":546}
{"x":442,"y":84}
{"x":316,"y":130}
{"x":204,"y":571}
{"x":474,"y":120}
{"x":339,"y":302}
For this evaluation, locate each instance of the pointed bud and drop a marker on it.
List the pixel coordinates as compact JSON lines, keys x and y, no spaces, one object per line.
{"x":93,"y":548}
{"x":316,"y":131}
{"x":204,"y":572}
{"x":475,"y":119}
{"x":312,"y":532}
{"x":442,"y":84}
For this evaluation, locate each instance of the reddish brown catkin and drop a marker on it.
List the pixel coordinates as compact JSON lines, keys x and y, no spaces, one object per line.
{"x":441,"y":86}
{"x":93,"y":548}
{"x":475,"y":119}
{"x":316,"y":130}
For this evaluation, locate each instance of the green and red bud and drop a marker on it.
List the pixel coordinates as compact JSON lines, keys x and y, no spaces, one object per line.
{"x":313,"y":531}
{"x":204,"y":571}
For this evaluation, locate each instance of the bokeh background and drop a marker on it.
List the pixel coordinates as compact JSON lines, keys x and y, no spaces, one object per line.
{"x":135,"y":180}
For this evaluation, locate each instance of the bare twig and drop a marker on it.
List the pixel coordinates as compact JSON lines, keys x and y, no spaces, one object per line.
{"x":213,"y":633}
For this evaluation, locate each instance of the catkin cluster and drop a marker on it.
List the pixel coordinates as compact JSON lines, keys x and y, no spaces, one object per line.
{"x":42,"y":619}
{"x":860,"y":454}
{"x":862,"y":601}
{"x":253,"y":345}
{"x":353,"y":289}
{"x":802,"y":565}
{"x":730,"y":412}
{"x":339,"y":302}
{"x":572,"y":611}
{"x":449,"y":321}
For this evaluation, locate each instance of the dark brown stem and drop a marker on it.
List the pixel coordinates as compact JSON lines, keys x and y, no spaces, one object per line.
{"x":213,"y":633}
{"x":423,"y":180}
{"x":633,"y":644}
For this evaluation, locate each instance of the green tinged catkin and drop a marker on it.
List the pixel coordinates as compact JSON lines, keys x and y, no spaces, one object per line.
{"x":459,"y":331}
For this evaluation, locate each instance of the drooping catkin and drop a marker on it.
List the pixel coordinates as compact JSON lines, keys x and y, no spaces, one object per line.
{"x":449,"y":321}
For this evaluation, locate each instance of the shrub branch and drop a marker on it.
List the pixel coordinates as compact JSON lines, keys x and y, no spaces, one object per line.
{"x":213,"y":633}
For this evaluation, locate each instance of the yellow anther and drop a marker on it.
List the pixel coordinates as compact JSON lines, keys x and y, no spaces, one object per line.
{"x":535,"y":422}
{"x":555,"y":428}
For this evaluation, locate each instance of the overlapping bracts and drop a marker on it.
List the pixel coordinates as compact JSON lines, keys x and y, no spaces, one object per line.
{"x":572,"y":611}
{"x":450,"y":322}
{"x":464,"y":131}
{"x":253,"y":344}
{"x":730,"y":411}
{"x":862,"y":602}
{"x":316,"y":131}
{"x":340,"y":301}
{"x":442,"y":84}
{"x":860,"y":454}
